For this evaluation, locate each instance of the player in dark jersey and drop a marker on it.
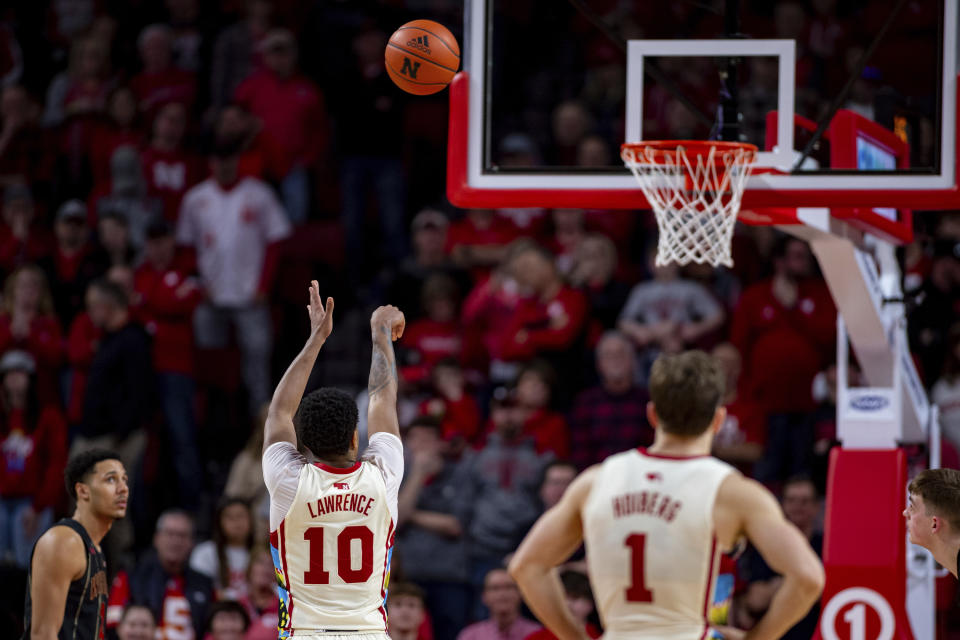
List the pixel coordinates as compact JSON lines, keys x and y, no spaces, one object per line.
{"x":67,"y":585}
{"x":933,"y":515}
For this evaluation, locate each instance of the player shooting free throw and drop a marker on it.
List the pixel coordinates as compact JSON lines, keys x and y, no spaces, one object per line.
{"x":332,"y":519}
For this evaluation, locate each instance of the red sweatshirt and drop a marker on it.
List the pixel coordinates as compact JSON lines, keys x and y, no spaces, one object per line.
{"x":549,"y":432}
{"x":544,"y":325}
{"x":44,"y":343}
{"x":169,"y":174}
{"x":31,"y":458}
{"x":457,"y":418}
{"x":783,"y":349}
{"x":432,"y":342}
{"x":168,"y":299}
{"x":81,"y":347}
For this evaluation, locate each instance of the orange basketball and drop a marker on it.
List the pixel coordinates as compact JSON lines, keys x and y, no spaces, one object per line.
{"x":422,"y":57}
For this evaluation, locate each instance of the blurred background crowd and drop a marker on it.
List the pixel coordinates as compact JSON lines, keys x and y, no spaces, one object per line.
{"x":174,"y":172}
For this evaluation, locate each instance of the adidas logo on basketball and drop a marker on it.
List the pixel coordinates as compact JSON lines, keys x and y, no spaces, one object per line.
{"x":421,"y":43}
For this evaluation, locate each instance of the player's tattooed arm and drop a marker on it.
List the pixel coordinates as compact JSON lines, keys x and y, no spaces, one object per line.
{"x":386,"y":325}
{"x":383,"y":368}
{"x":279,"y":426}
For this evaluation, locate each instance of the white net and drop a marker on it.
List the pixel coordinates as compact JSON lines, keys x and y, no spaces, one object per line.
{"x":695,"y":193}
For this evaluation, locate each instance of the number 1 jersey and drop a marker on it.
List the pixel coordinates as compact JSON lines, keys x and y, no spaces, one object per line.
{"x":652,"y":553}
{"x":331,"y":537}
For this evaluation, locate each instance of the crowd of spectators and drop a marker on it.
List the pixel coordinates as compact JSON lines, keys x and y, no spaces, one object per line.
{"x":173,"y":173}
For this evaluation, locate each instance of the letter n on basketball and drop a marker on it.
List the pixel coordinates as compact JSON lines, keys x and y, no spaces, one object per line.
{"x":409,"y":68}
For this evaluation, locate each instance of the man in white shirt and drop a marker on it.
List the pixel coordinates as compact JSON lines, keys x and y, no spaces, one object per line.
{"x":235,"y":225}
{"x":332,"y":522}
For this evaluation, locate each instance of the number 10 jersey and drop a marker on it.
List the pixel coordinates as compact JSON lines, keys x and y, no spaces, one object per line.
{"x":652,"y":553}
{"x":332,"y":547}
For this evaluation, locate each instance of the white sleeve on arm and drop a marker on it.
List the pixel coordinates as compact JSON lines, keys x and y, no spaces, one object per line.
{"x":281,"y":473}
{"x":385,"y":451}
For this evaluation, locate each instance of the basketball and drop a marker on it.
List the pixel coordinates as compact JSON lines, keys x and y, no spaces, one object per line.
{"x":422,"y":57}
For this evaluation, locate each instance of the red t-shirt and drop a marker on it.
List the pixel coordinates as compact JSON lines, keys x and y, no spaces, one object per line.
{"x":169,"y":174}
{"x":549,"y":432}
{"x":29,"y":457}
{"x":163,"y":87}
{"x":167,"y":301}
{"x":43,"y":342}
{"x":432,"y":341}
{"x":292,"y":112}
{"x":15,"y":252}
{"x":783,"y":349}
{"x":486,"y":318}
{"x":457,"y":418}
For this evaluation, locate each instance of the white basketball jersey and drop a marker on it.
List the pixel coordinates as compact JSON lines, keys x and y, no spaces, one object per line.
{"x":652,"y":553}
{"x":332,"y":551}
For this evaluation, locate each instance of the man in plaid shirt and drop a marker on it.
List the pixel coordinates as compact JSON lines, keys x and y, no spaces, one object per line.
{"x":611,"y":416}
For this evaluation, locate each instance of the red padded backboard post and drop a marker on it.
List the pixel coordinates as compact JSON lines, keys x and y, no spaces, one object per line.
{"x":864,"y":548}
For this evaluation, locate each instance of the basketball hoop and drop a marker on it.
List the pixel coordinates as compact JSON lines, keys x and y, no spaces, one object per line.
{"x":694,"y":188}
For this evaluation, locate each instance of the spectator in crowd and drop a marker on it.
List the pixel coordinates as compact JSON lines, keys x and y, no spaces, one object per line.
{"x":228,"y":620}
{"x":405,"y":602}
{"x":557,"y":476}
{"x":404,"y":285}
{"x":293,"y":117}
{"x":261,"y":601}
{"x":72,"y":266}
{"x":136,"y":623}
{"x":160,"y":81}
{"x":784,"y":329}
{"x":83,"y":87}
{"x":118,"y":400}
{"x":235,"y":226}
{"x":178,"y":596}
{"x":369,"y":112}
{"x":534,"y":395}
{"x":113,"y":238}
{"x":479,"y":241}
{"x":33,"y":442}
{"x":28,"y":322}
{"x":946,"y":390}
{"x":741,"y":437}
{"x":592,"y":271}
{"x":435,"y":337}
{"x":504,"y":475}
{"x":245,"y":479}
{"x":453,"y":405}
{"x":434,"y":506}
{"x":168,"y":168}
{"x":236,"y":51}
{"x":929,"y":321}
{"x":168,"y":297}
{"x":21,"y":240}
{"x":24,"y":153}
{"x":486,"y":319}
{"x":120,"y":128}
{"x":576,"y":587}
{"x":801,"y":506}
{"x":128,"y":194}
{"x":550,"y":319}
{"x":667,"y":314}
{"x":225,"y":558}
{"x":611,"y":416}
{"x":567,"y":230}
{"x":502,"y":597}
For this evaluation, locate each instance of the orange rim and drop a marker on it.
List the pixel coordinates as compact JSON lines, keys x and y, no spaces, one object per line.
{"x":662,"y":150}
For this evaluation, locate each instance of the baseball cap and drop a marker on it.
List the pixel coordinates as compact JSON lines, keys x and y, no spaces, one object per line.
{"x":15,"y":192}
{"x":72,"y":210}
{"x":16,"y":360}
{"x":429,"y":218}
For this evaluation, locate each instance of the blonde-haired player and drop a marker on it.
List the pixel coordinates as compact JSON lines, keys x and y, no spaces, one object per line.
{"x":655,"y":521}
{"x":332,"y":521}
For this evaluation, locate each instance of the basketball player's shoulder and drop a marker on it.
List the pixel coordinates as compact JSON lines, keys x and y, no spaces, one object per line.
{"x":63,"y":548}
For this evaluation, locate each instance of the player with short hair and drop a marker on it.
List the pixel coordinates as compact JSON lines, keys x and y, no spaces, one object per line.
{"x":67,"y":584}
{"x":655,"y":521}
{"x":332,"y":522}
{"x":933,"y":515}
